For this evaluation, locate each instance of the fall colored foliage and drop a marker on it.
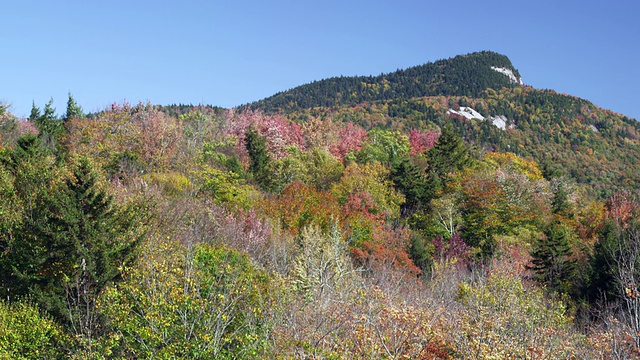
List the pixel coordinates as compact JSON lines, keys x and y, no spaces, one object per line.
{"x":189,"y":232}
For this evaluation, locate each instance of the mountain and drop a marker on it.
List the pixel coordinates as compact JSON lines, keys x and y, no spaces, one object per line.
{"x":202,"y":232}
{"x":465,"y":75}
{"x":482,"y":95}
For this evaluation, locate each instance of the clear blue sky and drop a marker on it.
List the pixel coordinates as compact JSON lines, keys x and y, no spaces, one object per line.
{"x":228,"y":53}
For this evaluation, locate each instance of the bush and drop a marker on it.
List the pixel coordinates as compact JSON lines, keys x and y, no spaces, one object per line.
{"x":26,"y":333}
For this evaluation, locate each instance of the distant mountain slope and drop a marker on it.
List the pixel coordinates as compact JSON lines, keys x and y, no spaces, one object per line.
{"x":564,"y":134}
{"x":465,"y":75}
{"x":482,"y":95}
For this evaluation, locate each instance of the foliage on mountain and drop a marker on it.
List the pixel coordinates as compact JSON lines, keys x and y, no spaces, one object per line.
{"x":136,"y":139}
{"x":564,"y":134}
{"x":466,"y":75}
{"x":374,"y":230}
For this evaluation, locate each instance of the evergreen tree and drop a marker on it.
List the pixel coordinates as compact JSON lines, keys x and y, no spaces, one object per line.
{"x":552,"y":260}
{"x":411,"y":182}
{"x":449,"y":154}
{"x":103,"y":236}
{"x":73,"y":109}
{"x":35,"y":113}
{"x":615,"y":271}
{"x":47,"y":121}
{"x":560,"y":202}
{"x":259,"y":158}
{"x":601,"y":284}
{"x":48,"y":124}
{"x":70,"y":238}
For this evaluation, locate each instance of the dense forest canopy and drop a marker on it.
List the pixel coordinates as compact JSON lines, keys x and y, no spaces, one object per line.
{"x":363,"y":217}
{"x":563,"y":133}
{"x":450,"y":77}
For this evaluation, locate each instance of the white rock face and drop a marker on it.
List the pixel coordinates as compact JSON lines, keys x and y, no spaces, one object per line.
{"x":467,"y":112}
{"x":595,"y":129}
{"x":509,"y":73}
{"x":499,"y":121}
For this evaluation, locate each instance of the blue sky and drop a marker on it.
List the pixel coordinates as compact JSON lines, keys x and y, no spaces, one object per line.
{"x":228,"y":53}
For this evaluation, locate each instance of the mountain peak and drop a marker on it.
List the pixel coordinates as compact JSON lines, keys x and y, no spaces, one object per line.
{"x":463,"y":75}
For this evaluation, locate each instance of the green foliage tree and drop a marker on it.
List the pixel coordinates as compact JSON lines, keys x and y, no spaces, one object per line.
{"x":207,"y":302}
{"x":552,"y":260}
{"x":69,"y":239}
{"x":259,"y":158}
{"x":384,"y":146}
{"x":225,"y":186}
{"x":27,"y":333}
{"x":323,"y":169}
{"x":449,"y":154}
{"x":73,"y":109}
{"x":373,"y":179}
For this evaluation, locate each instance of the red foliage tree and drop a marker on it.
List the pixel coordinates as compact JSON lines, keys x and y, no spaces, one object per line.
{"x":621,"y":208}
{"x":454,"y":248}
{"x":421,"y":141}
{"x":349,"y":140}
{"x":279,"y":133}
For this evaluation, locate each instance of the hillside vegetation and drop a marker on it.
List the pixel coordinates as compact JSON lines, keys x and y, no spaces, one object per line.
{"x":449,"y":77}
{"x":562,"y":133}
{"x":383,"y":228}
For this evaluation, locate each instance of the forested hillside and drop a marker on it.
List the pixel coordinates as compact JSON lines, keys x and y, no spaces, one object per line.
{"x":563,"y":133}
{"x":375,"y":228}
{"x":445,"y":77}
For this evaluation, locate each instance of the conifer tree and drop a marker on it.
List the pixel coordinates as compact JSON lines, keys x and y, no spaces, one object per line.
{"x":73,"y":109}
{"x":259,"y":158}
{"x":35,"y":113}
{"x":412,"y":183}
{"x":449,"y":154}
{"x":48,"y":124}
{"x":70,"y":238}
{"x":552,"y":260}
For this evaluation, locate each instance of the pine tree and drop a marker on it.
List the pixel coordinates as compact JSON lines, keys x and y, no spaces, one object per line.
{"x":552,"y":260}
{"x":103,"y":238}
{"x":35,"y":113}
{"x":70,"y":239}
{"x":73,"y":109}
{"x":411,"y":182}
{"x":48,"y":124}
{"x":449,"y":154}
{"x":259,"y":158}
